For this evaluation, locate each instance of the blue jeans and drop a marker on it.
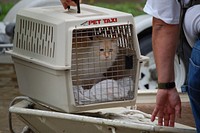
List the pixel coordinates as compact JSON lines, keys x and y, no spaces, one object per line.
{"x":194,"y":83}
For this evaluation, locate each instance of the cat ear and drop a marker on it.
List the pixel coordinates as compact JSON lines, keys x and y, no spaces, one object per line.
{"x":114,"y":40}
{"x":96,"y":38}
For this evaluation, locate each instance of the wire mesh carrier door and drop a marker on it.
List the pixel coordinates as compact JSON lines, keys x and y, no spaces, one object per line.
{"x":104,"y":64}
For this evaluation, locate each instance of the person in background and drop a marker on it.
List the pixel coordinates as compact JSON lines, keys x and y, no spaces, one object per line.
{"x":165,"y":39}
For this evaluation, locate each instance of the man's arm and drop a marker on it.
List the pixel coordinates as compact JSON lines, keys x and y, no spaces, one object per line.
{"x":165,"y":40}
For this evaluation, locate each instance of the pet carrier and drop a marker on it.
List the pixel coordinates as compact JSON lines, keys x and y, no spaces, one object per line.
{"x":75,"y":62}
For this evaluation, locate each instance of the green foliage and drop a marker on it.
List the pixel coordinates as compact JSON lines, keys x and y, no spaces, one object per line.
{"x":129,"y":7}
{"x":4,"y":8}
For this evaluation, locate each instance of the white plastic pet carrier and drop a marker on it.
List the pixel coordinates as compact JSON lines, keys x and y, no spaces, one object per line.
{"x":75,"y":62}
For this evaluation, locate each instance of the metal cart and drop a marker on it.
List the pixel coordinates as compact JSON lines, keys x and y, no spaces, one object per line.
{"x":42,"y":119}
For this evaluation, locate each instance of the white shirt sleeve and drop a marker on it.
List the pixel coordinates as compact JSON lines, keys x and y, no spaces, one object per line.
{"x":166,"y":10}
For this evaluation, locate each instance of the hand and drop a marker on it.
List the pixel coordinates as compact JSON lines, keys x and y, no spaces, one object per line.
{"x":168,"y":107}
{"x":67,"y":3}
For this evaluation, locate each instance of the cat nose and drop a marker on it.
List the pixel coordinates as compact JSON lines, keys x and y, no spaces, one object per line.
{"x":107,"y":55}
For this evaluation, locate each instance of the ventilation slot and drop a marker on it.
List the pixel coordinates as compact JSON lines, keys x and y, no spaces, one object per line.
{"x":36,"y":37}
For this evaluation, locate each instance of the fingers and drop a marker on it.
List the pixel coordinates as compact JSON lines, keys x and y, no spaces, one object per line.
{"x":172,"y":120}
{"x":169,"y":120}
{"x":178,"y":111}
{"x":160,"y":113}
{"x":168,"y":107}
{"x":166,"y":119}
{"x":161,"y":116}
{"x":160,"y":119}
{"x":166,"y":116}
{"x":154,"y":114}
{"x":67,"y":3}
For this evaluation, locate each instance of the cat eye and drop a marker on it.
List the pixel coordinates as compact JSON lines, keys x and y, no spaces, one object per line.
{"x":101,"y":49}
{"x":110,"y":50}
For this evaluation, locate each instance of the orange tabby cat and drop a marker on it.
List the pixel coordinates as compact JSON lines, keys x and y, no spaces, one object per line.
{"x":90,"y":61}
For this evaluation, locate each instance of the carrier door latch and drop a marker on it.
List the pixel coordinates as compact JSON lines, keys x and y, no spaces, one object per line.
{"x":128,"y":61}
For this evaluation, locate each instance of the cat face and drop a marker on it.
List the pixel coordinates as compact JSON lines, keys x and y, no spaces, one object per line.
{"x":106,"y":49}
{"x":90,"y":61}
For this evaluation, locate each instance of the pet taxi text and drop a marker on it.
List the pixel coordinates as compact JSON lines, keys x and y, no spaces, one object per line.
{"x":100,"y":21}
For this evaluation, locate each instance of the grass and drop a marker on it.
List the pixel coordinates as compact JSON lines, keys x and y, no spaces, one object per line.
{"x":4,"y":8}
{"x":135,"y":9}
{"x":129,"y":7}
